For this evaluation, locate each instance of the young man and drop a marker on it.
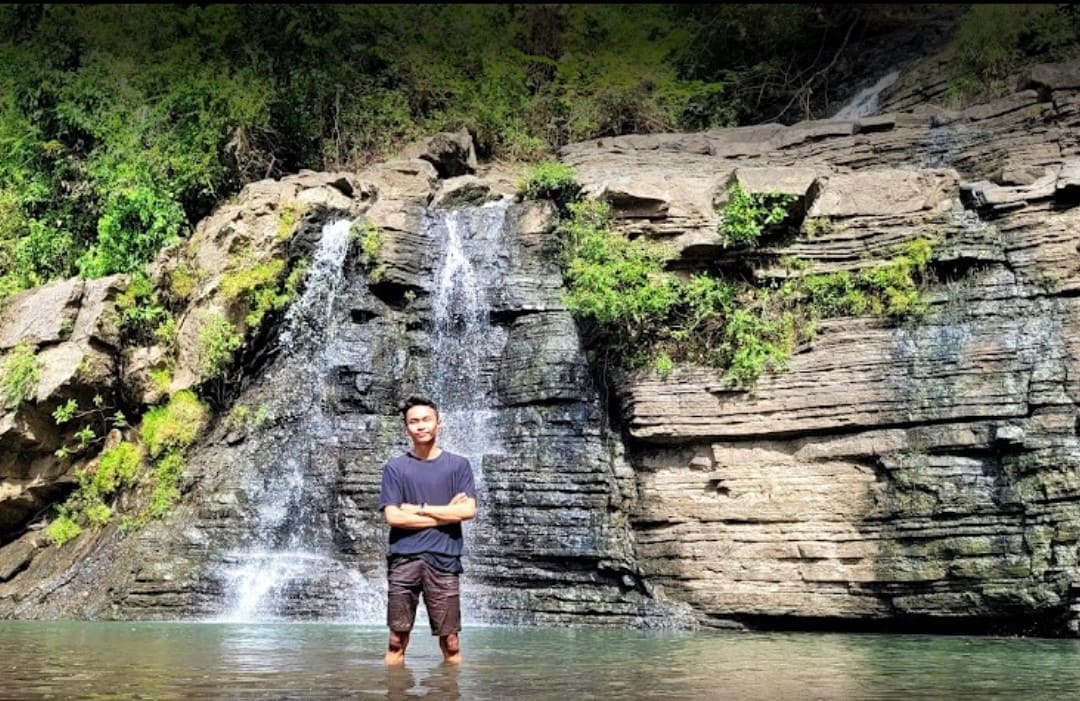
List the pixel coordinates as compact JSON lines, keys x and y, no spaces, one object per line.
{"x":426,"y":494}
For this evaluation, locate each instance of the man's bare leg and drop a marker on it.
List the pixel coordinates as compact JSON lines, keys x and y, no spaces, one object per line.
{"x":395,"y":651}
{"x":451,"y":648}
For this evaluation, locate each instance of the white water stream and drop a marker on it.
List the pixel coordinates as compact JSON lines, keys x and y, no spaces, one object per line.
{"x":293,"y":563}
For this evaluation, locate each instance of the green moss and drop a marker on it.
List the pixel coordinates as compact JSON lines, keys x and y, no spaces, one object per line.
{"x":167,"y":475}
{"x":813,"y":227}
{"x":98,"y":514}
{"x":288,"y":217}
{"x":175,"y":425}
{"x":262,"y":286}
{"x":237,"y":418}
{"x":182,"y":283}
{"x":218,"y":342}
{"x":117,"y":468}
{"x":63,"y":529}
{"x":20,"y":374}
{"x":162,"y":379}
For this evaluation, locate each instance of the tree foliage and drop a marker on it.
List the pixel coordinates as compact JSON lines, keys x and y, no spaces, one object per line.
{"x":123,"y":125}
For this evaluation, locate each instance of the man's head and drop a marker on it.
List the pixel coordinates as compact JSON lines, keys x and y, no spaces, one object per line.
{"x":421,"y":420}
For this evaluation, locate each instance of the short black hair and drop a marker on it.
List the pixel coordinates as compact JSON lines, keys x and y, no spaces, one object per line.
{"x":417,"y":401}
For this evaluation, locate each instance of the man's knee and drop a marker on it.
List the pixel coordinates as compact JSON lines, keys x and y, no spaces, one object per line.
{"x":450,"y":643}
{"x":398,"y":641}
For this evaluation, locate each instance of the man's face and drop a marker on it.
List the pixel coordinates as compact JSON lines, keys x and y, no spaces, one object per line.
{"x":422,"y":424}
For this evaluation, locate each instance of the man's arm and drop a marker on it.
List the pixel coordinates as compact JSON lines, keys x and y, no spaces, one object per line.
{"x":407,"y":516}
{"x":417,"y":516}
{"x":461,"y":508}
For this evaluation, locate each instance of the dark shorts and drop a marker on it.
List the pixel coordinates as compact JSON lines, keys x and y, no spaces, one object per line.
{"x":407,"y":578}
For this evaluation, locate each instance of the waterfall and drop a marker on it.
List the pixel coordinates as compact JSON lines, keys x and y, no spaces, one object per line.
{"x":463,"y":338}
{"x":290,"y":566}
{"x":291,"y":563}
{"x":866,"y":102}
{"x":466,"y":347}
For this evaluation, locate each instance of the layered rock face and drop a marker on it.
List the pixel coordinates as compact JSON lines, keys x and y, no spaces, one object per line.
{"x":912,"y":473}
{"x":280,"y":516}
{"x":893,"y":474}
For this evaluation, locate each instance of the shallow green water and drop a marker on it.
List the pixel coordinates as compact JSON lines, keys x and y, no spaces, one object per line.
{"x":80,"y":660}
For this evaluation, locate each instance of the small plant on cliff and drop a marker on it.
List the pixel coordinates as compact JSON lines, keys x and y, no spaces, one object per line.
{"x":115,"y":470}
{"x":369,"y":239}
{"x":262,"y":286}
{"x":636,"y":310}
{"x":63,"y":528}
{"x":890,"y":289}
{"x":168,"y":431}
{"x":97,"y":423}
{"x":289,"y":215}
{"x":551,"y":180}
{"x":218,"y":343}
{"x":144,"y":319}
{"x":746,"y":216}
{"x":168,"y":472}
{"x":618,"y":284}
{"x":20,"y":374}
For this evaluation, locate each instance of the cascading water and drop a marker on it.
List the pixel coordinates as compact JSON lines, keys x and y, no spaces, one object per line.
{"x":465,"y":342}
{"x":866,"y":103}
{"x":463,"y":337}
{"x":291,"y":567}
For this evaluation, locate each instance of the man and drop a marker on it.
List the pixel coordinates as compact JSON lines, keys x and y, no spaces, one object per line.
{"x":426,"y":494}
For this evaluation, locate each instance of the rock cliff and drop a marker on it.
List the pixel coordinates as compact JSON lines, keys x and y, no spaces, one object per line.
{"x":893,"y":475}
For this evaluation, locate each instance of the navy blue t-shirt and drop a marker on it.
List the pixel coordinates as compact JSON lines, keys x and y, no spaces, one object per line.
{"x":408,"y":479}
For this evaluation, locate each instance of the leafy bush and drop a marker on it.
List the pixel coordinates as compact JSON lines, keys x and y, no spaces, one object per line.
{"x":144,"y":319}
{"x":551,"y":180}
{"x":996,"y":40}
{"x":747,"y":215}
{"x":620,"y":285}
{"x":634,"y":310}
{"x":370,"y":240}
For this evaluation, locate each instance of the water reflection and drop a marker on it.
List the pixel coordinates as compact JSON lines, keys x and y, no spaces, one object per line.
{"x":72,"y":660}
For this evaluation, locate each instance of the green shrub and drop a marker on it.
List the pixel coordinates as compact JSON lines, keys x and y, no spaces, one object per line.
{"x":144,"y":319}
{"x":996,"y":40}
{"x":175,"y":425}
{"x":136,"y":222}
{"x":369,"y":238}
{"x":551,"y":180}
{"x":20,"y":374}
{"x":747,"y":215}
{"x":754,"y":345}
{"x":619,"y":284}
